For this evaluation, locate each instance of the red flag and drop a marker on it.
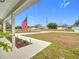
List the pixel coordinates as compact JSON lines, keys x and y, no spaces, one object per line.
{"x":24,"y":24}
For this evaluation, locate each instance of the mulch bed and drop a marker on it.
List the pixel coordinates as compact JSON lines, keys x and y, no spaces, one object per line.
{"x":19,"y":42}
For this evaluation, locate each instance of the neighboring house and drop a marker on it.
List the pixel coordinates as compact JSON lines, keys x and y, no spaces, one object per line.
{"x":61,"y":28}
{"x":75,"y":28}
{"x":39,"y":26}
{"x":36,"y":27}
{"x":64,"y":27}
{"x":42,"y":27}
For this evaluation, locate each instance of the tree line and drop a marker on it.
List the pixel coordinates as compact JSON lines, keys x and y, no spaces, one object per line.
{"x":55,"y":25}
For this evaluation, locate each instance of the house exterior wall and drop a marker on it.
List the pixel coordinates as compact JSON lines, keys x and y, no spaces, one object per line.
{"x":76,"y":29}
{"x":61,"y":28}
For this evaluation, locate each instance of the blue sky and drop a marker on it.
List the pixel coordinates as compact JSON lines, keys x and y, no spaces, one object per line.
{"x":57,"y":11}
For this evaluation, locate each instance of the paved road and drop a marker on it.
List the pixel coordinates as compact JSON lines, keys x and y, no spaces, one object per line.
{"x":45,"y":32}
{"x":33,"y":33}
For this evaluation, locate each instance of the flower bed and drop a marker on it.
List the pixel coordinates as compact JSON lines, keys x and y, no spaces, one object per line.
{"x":19,"y":42}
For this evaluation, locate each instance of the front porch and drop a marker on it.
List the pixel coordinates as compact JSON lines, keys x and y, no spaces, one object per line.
{"x":9,"y":9}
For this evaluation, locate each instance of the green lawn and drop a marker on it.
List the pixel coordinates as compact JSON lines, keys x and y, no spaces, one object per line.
{"x":64,"y":46}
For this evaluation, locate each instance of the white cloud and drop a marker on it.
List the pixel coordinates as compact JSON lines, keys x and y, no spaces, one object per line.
{"x":61,"y":5}
{"x":65,"y":0}
{"x":64,"y":4}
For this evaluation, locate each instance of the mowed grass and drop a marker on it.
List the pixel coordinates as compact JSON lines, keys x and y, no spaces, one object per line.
{"x":64,"y":45}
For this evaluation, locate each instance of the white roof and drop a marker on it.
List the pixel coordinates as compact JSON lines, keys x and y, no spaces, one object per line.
{"x":9,"y":6}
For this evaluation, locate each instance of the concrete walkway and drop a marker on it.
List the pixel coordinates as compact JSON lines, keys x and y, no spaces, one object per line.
{"x":35,"y":47}
{"x":26,"y":52}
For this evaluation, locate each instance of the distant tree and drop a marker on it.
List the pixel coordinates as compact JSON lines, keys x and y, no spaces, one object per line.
{"x":76,"y":22}
{"x":52,"y":25}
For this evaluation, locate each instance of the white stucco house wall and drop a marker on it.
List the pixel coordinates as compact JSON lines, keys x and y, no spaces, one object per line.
{"x":76,"y":28}
{"x":61,"y":27}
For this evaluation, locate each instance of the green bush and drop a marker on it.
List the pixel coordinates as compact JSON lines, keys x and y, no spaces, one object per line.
{"x":70,"y":30}
{"x":4,"y":45}
{"x":5,"y":34}
{"x":1,"y":34}
{"x":52,"y":26}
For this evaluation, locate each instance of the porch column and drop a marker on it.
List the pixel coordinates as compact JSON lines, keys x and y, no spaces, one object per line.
{"x":13,"y":30}
{"x":4,"y":26}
